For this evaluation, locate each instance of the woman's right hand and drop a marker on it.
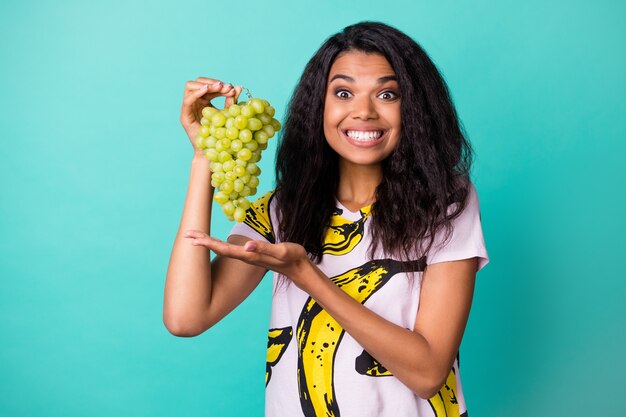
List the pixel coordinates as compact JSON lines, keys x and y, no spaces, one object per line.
{"x":198,"y":95}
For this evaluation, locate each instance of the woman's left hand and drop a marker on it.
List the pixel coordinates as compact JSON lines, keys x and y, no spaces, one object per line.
{"x":289,"y":259}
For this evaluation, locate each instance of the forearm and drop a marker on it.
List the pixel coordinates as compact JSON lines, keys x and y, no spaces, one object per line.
{"x":405,"y":353}
{"x":188,"y":281}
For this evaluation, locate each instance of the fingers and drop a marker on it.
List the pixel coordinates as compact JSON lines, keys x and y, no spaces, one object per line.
{"x":264,"y":248}
{"x":233,"y":96}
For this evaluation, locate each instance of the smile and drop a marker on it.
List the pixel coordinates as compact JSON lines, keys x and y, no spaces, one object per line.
{"x":364,"y":136}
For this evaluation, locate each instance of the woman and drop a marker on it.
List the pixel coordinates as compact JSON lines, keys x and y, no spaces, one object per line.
{"x":373,"y":218}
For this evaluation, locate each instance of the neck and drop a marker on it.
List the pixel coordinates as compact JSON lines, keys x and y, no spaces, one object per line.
{"x":357,"y":184}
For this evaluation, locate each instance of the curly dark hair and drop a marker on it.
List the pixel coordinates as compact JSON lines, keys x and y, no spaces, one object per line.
{"x":422,"y":177}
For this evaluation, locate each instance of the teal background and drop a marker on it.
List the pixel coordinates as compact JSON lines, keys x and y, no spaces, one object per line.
{"x":95,"y":167}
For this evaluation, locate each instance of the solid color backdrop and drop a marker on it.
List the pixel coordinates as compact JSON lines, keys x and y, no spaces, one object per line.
{"x":95,"y":167}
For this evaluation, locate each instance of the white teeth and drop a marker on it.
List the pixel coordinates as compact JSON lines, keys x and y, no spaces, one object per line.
{"x":364,"y":136}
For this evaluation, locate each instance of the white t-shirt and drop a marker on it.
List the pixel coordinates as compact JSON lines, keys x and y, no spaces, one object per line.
{"x":314,"y":368}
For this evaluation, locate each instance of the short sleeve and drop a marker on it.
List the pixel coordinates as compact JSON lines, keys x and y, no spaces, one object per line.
{"x":258,"y":224}
{"x":467,"y":240}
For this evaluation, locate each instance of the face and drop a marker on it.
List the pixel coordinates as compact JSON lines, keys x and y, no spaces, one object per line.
{"x":362,"y":108}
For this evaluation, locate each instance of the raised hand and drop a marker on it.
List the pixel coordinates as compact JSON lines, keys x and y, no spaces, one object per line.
{"x":198,"y":95}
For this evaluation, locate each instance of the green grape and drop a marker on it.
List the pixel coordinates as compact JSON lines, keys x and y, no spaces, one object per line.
{"x":265,"y":102}
{"x":210,"y":142}
{"x":239,"y":214}
{"x":216,"y":167}
{"x":264,"y":118}
{"x":227,"y":186}
{"x":214,"y":183}
{"x":200,"y":142}
{"x":224,"y":156}
{"x":270,"y":110}
{"x":218,"y":176}
{"x":254,"y":124}
{"x":239,"y":170}
{"x":235,"y":110}
{"x":228,"y":165}
{"x":218,"y":119}
{"x":269,"y":130}
{"x":238,"y":185}
{"x":205,"y":122}
{"x":220,"y":133}
{"x":204,"y":131}
{"x":252,"y":191}
{"x":241,"y":122}
{"x":251,"y":169}
{"x":263,"y":146}
{"x":226,"y":144}
{"x":230,"y":122}
{"x":219,"y":146}
{"x":230,"y":176}
{"x":245,"y":135}
{"x":212,"y":129}
{"x":245,"y":178}
{"x":253,"y":146}
{"x":234,"y":196}
{"x":260,"y":137}
{"x":241,"y":162}
{"x":236,"y":145}
{"x":257,"y":105}
{"x":220,"y":197}
{"x":275,"y":124}
{"x":244,"y":154}
{"x":254,"y":182}
{"x":232,"y":132}
{"x":243,"y":203}
{"x":256,"y":157}
{"x":212,"y":155}
{"x":247,"y":111}
{"x":228,"y":208}
{"x":208,"y":112}
{"x":246,"y":191}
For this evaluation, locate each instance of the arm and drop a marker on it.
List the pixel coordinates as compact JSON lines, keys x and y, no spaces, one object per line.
{"x":421,"y":358}
{"x":199,"y":293}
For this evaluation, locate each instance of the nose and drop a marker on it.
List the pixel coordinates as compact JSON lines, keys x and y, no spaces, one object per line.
{"x":364,"y":108}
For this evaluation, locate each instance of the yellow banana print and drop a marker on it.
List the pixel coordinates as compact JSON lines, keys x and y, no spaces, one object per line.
{"x":277,"y":342}
{"x":319,"y":335}
{"x":342,"y":234}
{"x":445,"y":403}
{"x":258,"y":216}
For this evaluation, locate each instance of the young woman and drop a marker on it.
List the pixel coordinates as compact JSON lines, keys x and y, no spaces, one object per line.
{"x":373,"y":233}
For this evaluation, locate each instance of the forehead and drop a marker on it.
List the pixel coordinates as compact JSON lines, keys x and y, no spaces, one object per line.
{"x":361,"y":65}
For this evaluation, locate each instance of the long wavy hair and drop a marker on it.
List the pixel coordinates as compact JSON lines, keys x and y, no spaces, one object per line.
{"x":422,"y":177}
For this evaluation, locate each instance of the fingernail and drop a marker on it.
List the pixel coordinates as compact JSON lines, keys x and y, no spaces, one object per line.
{"x":204,"y":87}
{"x":250,"y":246}
{"x":217,"y":83}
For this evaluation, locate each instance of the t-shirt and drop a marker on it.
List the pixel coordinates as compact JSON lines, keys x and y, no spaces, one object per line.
{"x":315,"y":368}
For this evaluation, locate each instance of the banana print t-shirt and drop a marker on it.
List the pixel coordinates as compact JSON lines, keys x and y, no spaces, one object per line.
{"x":315,"y":368}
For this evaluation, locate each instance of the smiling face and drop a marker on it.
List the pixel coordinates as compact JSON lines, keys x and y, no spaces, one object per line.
{"x":362,"y":108}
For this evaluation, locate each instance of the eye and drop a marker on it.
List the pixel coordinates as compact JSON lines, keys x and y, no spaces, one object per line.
{"x":388,"y":95}
{"x":343,"y":93}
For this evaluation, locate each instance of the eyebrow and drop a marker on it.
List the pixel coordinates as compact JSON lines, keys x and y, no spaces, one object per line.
{"x":381,"y":80}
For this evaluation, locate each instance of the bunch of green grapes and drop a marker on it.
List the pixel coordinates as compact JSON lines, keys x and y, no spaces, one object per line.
{"x":233,"y":139}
